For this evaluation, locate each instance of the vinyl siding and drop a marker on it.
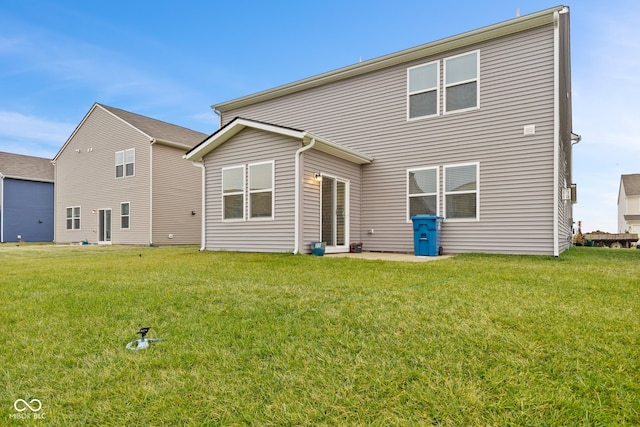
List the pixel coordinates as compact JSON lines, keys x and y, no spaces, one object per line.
{"x":622,"y":208}
{"x":313,"y":162}
{"x":368,"y":113}
{"x":87,"y":179}
{"x":565,"y":211}
{"x":27,"y":209}
{"x":176,"y":193}
{"x":261,"y":235}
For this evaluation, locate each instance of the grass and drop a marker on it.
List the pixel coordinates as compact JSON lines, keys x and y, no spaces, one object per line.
{"x":276,"y":339}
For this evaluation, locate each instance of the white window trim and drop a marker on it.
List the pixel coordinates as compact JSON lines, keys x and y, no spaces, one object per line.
{"x":437,"y":88}
{"x":446,"y":86}
{"x":73,"y":208}
{"x":476,"y":191}
{"x":243,"y":192}
{"x":271,"y":190}
{"x":437,"y":193}
{"x":134,"y":162}
{"x":129,"y":215}
{"x":124,"y":163}
{"x":118,"y":164}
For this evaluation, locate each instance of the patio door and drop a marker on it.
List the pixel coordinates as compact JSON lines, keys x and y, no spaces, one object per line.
{"x":335,"y":214}
{"x":104,"y":226}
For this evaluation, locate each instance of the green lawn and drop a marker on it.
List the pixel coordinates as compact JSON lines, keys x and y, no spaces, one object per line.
{"x":277,"y":339}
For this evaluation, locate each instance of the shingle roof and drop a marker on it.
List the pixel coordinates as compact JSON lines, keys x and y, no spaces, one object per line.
{"x":26,"y":167}
{"x":158,"y":129}
{"x":631,"y":184}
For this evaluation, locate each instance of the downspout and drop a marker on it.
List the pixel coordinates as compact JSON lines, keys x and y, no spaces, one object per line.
{"x":556,"y":132}
{"x":219,"y":114}
{"x":55,"y":199}
{"x":151,"y":192}
{"x":296,"y":226}
{"x":202,"y":213}
{"x":1,"y":208}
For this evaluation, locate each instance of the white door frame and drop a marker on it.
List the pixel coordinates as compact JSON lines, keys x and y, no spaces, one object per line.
{"x":105,"y":230}
{"x":331,"y":246}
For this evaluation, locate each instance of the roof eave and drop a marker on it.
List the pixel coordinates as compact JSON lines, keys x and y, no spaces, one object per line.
{"x":336,"y":150}
{"x":25,"y":178}
{"x":237,"y":125}
{"x":173,"y":144}
{"x":501,"y":29}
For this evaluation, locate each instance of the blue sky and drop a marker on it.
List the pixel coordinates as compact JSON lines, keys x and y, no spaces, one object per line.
{"x":172,"y":60}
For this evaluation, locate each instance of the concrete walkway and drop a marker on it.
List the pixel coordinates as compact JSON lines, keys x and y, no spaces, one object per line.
{"x":389,"y":256}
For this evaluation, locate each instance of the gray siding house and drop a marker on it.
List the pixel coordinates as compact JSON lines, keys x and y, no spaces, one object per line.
{"x":120,"y":179}
{"x":475,"y":128}
{"x":26,"y":198}
{"x":629,"y":204}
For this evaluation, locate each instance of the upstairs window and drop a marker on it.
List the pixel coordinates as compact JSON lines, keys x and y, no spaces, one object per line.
{"x":125,"y":163}
{"x":119,"y":164}
{"x":423,"y":92}
{"x":422,"y":186}
{"x":233,"y":193}
{"x":73,"y":218}
{"x":461,"y":82}
{"x":261,"y":190}
{"x":461,"y":191}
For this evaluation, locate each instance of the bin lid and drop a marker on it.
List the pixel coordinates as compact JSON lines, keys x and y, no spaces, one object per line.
{"x":423,"y":217}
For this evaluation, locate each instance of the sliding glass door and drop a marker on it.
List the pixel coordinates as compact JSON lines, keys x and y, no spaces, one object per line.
{"x":335,"y":213}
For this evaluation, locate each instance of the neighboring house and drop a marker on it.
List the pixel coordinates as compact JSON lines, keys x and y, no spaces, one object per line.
{"x":476,"y":128}
{"x":629,"y":204}
{"x":120,"y":179}
{"x":26,"y":198}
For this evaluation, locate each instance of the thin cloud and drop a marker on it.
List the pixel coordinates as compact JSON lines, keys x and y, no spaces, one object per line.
{"x":74,"y":65}
{"x":31,"y":135}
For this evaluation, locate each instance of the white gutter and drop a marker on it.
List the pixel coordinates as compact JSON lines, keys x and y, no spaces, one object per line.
{"x":556,"y":131}
{"x":1,"y":208}
{"x":296,"y":226}
{"x":202,"y":226}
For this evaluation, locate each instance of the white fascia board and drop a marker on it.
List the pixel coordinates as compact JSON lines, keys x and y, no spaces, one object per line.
{"x":232,"y":129}
{"x":337,"y":150}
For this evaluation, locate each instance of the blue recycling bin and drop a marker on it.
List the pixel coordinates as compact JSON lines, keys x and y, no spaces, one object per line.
{"x":317,"y":248}
{"x":426,"y":234}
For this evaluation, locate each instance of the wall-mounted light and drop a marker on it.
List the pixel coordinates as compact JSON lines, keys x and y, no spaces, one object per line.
{"x":317,"y":176}
{"x":193,"y":212}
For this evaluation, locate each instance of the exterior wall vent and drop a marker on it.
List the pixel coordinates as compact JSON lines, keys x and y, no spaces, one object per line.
{"x":529,"y":130}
